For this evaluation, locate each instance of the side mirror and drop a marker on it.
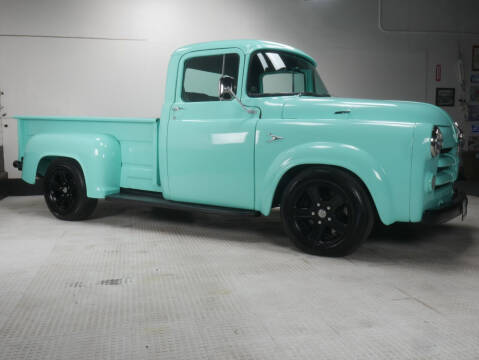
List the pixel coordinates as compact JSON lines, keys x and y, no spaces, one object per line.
{"x":227,"y":92}
{"x":226,"y":87}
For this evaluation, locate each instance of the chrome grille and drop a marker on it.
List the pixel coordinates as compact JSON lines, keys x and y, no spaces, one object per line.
{"x":446,"y":167}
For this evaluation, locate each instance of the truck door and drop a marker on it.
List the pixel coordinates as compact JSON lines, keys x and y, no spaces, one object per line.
{"x":210,"y":143}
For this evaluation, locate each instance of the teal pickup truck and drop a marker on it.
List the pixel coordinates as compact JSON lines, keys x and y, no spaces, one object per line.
{"x":247,"y":126}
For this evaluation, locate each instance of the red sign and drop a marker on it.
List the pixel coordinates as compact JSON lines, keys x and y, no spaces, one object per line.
{"x":438,"y":72}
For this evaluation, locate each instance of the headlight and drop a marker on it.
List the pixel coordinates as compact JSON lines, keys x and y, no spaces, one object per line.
{"x":436,"y":141}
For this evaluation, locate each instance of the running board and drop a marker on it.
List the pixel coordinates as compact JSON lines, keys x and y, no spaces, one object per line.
{"x":154,"y":199}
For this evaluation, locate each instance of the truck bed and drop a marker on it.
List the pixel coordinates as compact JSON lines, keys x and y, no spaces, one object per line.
{"x":138,"y":139}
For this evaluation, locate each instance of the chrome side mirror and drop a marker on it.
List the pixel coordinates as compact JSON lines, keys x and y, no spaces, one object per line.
{"x":227,"y":92}
{"x":226,"y":87}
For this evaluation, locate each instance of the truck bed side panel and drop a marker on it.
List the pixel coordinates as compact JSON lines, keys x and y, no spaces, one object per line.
{"x":138,"y":141}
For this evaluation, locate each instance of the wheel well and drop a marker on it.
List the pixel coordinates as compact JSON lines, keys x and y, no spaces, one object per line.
{"x":45,"y":162}
{"x":291,"y":173}
{"x":43,"y":165}
{"x":285,"y":179}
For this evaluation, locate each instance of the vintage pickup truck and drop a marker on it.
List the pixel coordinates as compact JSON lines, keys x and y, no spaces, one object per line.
{"x":247,"y":126}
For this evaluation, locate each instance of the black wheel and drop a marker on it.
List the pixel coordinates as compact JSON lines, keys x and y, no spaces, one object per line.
{"x":327,"y":211}
{"x":65,"y":191}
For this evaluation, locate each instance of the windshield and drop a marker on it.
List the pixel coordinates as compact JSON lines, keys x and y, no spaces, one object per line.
{"x":277,"y":73}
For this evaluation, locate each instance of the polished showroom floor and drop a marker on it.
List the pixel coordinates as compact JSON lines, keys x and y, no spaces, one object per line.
{"x":141,"y":283}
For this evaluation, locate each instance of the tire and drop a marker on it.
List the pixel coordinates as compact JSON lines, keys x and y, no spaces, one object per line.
{"x":327,"y":211}
{"x":65,"y":191}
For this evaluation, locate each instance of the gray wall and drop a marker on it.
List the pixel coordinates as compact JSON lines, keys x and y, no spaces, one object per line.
{"x":111,"y":56}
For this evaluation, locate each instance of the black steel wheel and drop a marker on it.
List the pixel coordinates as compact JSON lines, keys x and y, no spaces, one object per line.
{"x":65,"y":191}
{"x":327,"y":211}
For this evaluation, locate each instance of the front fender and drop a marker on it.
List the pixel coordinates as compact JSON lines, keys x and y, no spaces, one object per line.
{"x":99,"y":156}
{"x":349,"y":157}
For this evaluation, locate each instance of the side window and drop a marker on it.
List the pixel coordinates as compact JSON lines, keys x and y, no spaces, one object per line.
{"x":202,"y":74}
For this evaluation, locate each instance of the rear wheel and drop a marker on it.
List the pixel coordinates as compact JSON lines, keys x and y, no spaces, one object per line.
{"x":65,"y":191}
{"x":327,"y":211}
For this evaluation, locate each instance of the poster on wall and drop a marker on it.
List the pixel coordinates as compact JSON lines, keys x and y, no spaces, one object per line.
{"x":445,"y":96}
{"x":475,"y":58}
{"x":473,"y":112}
{"x":474,"y":93}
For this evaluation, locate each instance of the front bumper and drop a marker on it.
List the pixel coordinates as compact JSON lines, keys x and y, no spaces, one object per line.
{"x":457,"y":207}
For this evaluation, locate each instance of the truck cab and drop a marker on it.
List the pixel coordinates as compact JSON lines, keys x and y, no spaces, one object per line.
{"x":247,"y":126}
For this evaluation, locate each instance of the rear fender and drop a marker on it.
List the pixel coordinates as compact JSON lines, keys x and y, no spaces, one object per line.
{"x":99,"y":156}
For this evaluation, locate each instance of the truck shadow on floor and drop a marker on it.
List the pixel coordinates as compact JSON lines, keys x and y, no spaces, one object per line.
{"x":420,"y":244}
{"x":219,"y":227}
{"x":413,"y":243}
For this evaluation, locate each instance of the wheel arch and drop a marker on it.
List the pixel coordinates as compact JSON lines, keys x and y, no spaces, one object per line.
{"x":98,"y":155}
{"x":356,"y":162}
{"x":296,"y":170}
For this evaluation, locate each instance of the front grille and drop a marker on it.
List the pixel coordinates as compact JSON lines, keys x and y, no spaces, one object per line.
{"x":446,"y":168}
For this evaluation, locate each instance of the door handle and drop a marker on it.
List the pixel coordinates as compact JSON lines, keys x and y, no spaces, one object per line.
{"x":342,"y":112}
{"x":177,"y":108}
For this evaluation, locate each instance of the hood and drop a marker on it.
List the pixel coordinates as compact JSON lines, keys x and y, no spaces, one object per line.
{"x":308,"y":107}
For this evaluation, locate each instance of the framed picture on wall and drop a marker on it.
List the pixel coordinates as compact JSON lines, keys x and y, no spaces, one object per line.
{"x":445,"y":96}
{"x":475,"y":58}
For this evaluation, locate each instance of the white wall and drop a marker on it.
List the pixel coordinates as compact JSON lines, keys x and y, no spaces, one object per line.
{"x":123,"y":74}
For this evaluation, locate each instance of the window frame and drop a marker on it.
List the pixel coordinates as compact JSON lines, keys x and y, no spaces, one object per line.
{"x":263,"y":50}
{"x":202,"y":53}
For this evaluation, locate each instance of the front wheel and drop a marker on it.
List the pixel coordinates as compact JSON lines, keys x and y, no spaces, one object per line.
{"x":327,"y":211}
{"x":65,"y":191}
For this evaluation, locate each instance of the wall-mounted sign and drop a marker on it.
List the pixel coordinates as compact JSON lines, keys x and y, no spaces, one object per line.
{"x":475,"y":128}
{"x":475,"y":78}
{"x":438,"y":72}
{"x":473,"y":111}
{"x":445,"y":96}
{"x":475,"y":58}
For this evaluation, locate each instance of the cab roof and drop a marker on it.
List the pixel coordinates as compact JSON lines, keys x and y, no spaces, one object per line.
{"x":247,"y":46}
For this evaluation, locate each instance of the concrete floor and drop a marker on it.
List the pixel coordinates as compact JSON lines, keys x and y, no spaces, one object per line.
{"x":137,"y":283}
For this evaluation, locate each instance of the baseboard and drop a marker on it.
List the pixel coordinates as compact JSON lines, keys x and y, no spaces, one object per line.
{"x":18,"y":187}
